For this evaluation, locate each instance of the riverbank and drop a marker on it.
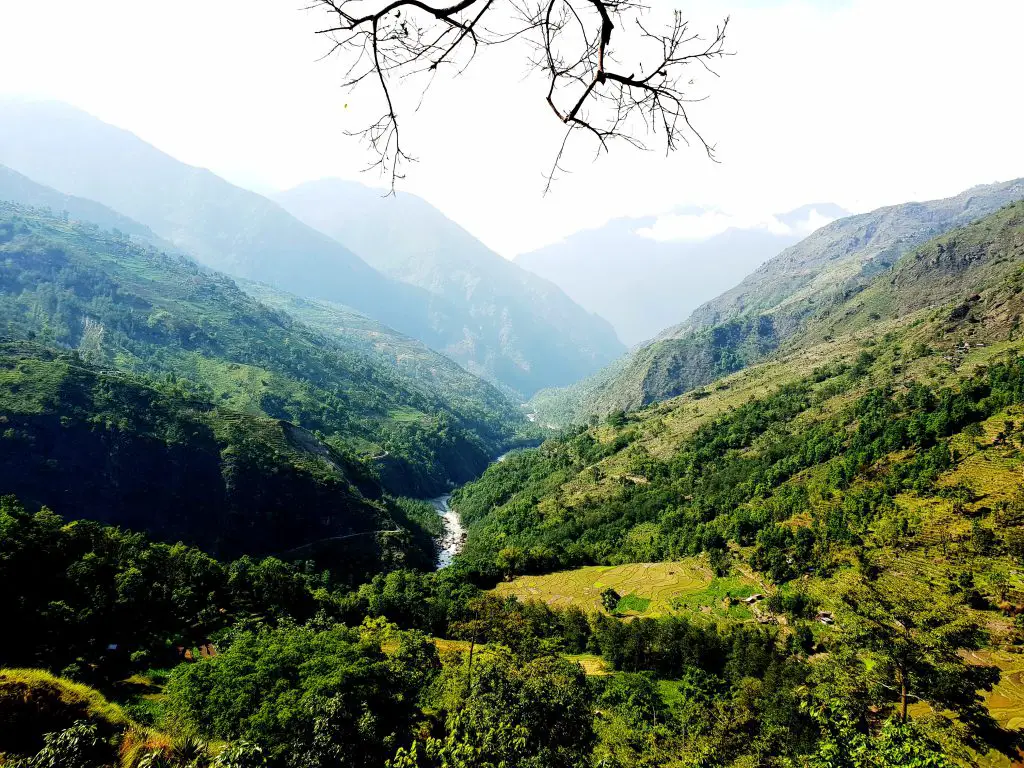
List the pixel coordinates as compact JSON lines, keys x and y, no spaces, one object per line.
{"x":450,"y":543}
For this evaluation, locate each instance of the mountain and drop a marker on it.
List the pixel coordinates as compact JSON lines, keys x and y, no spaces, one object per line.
{"x":223,"y":226}
{"x":16,"y":188}
{"x":898,"y":407}
{"x":752,"y":320}
{"x":521,"y":330}
{"x":130,"y":307}
{"x":150,"y":455}
{"x":249,"y":236}
{"x":644,"y":278}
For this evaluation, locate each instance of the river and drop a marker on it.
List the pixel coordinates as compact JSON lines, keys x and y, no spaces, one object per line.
{"x":454,"y":536}
{"x":451,"y":541}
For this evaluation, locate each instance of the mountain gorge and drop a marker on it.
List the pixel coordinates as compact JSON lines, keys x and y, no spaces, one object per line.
{"x":786,"y":531}
{"x":771,"y":305}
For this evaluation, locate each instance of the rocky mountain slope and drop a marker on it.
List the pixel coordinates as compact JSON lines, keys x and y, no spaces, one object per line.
{"x":644,"y":278}
{"x":751,"y":321}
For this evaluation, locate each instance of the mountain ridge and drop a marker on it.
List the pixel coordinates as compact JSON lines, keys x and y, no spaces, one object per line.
{"x":138,"y":309}
{"x":249,"y":236}
{"x":538,"y":332}
{"x":749,"y":322}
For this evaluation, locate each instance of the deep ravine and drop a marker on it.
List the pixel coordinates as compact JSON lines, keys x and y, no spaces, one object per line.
{"x":450,"y":542}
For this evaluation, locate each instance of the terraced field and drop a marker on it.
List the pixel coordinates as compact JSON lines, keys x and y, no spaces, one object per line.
{"x":1006,"y":701}
{"x":647,"y":589}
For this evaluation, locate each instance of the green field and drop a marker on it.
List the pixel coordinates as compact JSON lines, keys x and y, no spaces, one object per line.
{"x":647,"y":589}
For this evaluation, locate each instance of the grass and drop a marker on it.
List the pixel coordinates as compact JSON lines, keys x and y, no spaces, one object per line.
{"x":592,"y":664}
{"x":38,"y":689}
{"x":720,"y":598}
{"x":633,"y":604}
{"x":649,"y":589}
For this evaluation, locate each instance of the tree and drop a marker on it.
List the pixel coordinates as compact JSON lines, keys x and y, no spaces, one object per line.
{"x":589,"y":86}
{"x":81,"y":746}
{"x":610,"y":599}
{"x":915,"y":636}
{"x":897,"y":745}
{"x":529,"y":714}
{"x":319,"y":697}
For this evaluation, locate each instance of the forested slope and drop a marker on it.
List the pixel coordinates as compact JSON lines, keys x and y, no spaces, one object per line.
{"x":880,"y":409}
{"x":154,"y":456}
{"x":128,"y":306}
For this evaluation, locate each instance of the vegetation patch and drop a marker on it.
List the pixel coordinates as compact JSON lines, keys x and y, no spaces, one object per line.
{"x":633,"y":604}
{"x":649,"y":588}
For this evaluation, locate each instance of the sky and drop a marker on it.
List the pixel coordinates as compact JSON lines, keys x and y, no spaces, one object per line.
{"x":858,"y":102}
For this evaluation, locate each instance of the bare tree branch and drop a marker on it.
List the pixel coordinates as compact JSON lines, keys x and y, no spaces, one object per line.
{"x":570,"y":42}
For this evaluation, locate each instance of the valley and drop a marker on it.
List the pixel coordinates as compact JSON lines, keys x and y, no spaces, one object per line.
{"x":318,"y":480}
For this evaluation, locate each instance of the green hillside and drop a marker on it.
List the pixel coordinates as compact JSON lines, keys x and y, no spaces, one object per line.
{"x":126,"y":306}
{"x":875,"y":387}
{"x":750,"y":322}
{"x":154,"y":456}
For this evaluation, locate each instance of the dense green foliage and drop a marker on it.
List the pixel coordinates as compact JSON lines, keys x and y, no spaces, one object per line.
{"x":130,"y":307}
{"x":311,"y":697}
{"x":95,"y":445}
{"x":728,"y":481}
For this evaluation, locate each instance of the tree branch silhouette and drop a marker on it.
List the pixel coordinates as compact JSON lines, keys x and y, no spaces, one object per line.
{"x":570,"y":42}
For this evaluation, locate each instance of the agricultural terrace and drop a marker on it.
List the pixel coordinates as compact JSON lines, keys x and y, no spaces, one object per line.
{"x":647,"y":589}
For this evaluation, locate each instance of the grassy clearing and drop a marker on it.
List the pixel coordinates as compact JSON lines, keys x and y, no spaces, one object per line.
{"x":593,"y":665}
{"x":719,"y":598}
{"x":56,"y":697}
{"x":649,"y":589}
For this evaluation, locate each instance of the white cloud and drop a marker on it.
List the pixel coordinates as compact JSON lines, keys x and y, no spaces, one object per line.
{"x":858,"y":102}
{"x":813,"y":221}
{"x":705,"y":225}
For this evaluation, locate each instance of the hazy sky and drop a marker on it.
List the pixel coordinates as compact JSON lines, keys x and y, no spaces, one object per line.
{"x":858,"y":102}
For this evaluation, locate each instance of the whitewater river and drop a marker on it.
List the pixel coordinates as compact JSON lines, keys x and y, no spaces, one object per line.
{"x":450,"y":543}
{"x":454,"y":536}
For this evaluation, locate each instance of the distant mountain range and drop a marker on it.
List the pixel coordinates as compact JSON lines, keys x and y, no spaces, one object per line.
{"x":755,"y":318}
{"x":526,"y":336}
{"x":522,"y":330}
{"x":644,"y":274}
